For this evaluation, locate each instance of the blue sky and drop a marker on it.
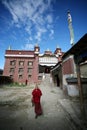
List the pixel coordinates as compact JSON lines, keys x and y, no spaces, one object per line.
{"x":24,"y":23}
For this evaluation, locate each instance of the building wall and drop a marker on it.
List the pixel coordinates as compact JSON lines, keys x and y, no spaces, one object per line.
{"x":16,"y":64}
{"x":83,"y":69}
{"x":22,"y":68}
{"x":68,"y":66}
{"x":56,"y":73}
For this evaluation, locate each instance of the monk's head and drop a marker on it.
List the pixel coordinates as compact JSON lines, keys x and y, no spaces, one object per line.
{"x":36,"y":86}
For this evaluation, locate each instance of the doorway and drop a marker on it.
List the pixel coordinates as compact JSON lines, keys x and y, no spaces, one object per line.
{"x":47,"y":70}
{"x":57,"y":80}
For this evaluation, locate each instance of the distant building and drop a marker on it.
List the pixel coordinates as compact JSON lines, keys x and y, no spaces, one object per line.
{"x":28,"y":66}
{"x":49,"y":59}
{"x":1,"y":71}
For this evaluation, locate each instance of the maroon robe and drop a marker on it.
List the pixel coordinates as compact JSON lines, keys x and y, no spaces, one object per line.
{"x":36,"y":99}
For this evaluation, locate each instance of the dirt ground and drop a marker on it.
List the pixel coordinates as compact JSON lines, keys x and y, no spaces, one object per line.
{"x":17,"y":113}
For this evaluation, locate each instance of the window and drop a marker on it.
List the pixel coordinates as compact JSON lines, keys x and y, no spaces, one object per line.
{"x":21,"y":63}
{"x":20,"y":76}
{"x":12,"y":62}
{"x":11,"y":76}
{"x":30,"y":63}
{"x":29,"y":76}
{"x":29,"y":70}
{"x":20,"y":70}
{"x":11,"y":70}
{"x":40,"y":78}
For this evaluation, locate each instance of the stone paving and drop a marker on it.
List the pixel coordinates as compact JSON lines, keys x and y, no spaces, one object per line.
{"x":17,"y":113}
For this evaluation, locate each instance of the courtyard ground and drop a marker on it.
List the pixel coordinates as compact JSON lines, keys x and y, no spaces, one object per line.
{"x":59,"y":112}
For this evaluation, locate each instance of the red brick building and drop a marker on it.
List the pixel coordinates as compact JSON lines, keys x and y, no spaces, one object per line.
{"x":22,"y":66}
{"x":27,"y":66}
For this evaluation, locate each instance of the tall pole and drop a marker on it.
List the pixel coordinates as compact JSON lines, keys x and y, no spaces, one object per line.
{"x":70,"y":28}
{"x":81,"y":93}
{"x":82,"y":106}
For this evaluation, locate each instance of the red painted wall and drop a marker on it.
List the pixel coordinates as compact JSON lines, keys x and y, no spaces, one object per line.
{"x":68,"y":66}
{"x":25,"y":73}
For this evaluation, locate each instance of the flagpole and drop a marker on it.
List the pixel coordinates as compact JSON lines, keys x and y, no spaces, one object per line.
{"x":70,"y":28}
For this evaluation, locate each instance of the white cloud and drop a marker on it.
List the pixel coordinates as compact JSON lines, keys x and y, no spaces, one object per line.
{"x":28,"y":46}
{"x":28,"y":29}
{"x":32,"y":14}
{"x":11,"y":10}
{"x":38,"y":36}
{"x":51,"y":34}
{"x":30,"y":38}
{"x":49,"y":19}
{"x":39,"y":33}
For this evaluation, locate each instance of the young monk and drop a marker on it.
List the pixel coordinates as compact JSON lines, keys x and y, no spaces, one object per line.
{"x":36,"y":95}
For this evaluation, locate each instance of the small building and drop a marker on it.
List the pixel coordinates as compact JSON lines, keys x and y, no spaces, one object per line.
{"x":66,"y":71}
{"x":78,"y":66}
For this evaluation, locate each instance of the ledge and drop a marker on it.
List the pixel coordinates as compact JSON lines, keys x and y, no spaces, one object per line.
{"x":73,"y":80}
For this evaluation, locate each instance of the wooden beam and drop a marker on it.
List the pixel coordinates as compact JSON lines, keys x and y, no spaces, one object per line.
{"x":82,"y":107}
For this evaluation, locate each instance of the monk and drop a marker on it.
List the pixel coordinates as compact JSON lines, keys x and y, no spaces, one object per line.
{"x":36,"y":95}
